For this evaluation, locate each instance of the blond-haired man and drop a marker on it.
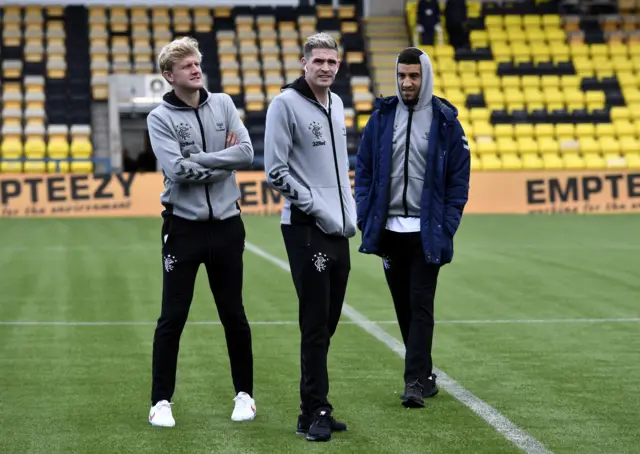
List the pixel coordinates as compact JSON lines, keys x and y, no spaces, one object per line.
{"x":199,"y":140}
{"x":306,"y":161}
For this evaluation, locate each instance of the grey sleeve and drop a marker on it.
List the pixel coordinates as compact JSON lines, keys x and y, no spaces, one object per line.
{"x":278,"y":144}
{"x":176,"y":167}
{"x":236,"y":156}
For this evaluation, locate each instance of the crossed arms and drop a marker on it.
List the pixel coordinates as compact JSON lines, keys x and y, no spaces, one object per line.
{"x":197,"y":166}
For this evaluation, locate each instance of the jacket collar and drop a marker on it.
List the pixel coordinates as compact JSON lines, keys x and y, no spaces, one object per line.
{"x":172,"y":99}
{"x":443,"y":106}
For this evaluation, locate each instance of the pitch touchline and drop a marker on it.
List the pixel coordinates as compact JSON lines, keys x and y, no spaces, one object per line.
{"x":489,"y":414}
{"x":346,"y":322}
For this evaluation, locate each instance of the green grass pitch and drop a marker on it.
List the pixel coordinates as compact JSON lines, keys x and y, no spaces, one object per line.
{"x":538,"y":316}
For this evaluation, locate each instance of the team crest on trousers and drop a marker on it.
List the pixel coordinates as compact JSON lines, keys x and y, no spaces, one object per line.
{"x":169,"y":262}
{"x":320,"y":261}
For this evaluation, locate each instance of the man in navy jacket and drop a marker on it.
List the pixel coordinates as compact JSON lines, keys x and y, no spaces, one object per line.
{"x":411,"y":187}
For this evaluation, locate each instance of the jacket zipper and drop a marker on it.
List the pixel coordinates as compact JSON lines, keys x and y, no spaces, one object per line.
{"x":204,"y":150}
{"x":406,"y":164}
{"x":335,"y":161}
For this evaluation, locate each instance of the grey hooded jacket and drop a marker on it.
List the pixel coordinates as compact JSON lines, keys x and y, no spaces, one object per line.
{"x":306,"y":159}
{"x":189,"y":143}
{"x":410,"y":142}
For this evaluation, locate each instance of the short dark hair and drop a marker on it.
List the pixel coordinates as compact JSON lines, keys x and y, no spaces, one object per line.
{"x":410,"y":56}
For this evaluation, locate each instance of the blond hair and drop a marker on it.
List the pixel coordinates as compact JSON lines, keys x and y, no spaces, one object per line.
{"x":176,"y":50}
{"x":319,"y":41}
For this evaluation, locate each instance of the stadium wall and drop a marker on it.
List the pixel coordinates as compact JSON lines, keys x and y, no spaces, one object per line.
{"x":137,"y":194}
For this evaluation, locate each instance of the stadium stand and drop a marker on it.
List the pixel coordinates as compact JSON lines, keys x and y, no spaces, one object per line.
{"x":249,"y":52}
{"x":540,"y":90}
{"x":45,"y":96}
{"x":537,"y":89}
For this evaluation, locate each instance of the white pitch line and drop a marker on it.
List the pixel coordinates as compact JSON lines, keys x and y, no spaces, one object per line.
{"x":489,"y":414}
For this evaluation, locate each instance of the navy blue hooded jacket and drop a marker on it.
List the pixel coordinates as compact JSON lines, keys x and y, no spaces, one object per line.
{"x":446,"y":182}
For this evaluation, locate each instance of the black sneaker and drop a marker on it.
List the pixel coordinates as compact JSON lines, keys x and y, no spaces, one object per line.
{"x":412,"y":397}
{"x":320,"y":428}
{"x":430,"y":388}
{"x":304,"y":421}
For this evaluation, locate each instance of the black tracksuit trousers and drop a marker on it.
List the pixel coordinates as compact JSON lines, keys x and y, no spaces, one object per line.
{"x":412,"y":283}
{"x":320,"y":266}
{"x":186,"y":245}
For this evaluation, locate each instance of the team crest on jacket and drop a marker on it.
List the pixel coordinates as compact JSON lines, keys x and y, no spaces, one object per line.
{"x":316,"y":130}
{"x":320,"y":261}
{"x":182,"y":129}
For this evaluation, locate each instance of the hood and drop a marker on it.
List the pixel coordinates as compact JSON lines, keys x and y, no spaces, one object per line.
{"x":426,"y":90}
{"x":172,"y":101}
{"x":301,"y":86}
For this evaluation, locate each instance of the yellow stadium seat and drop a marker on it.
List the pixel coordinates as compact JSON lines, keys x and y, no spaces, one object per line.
{"x":81,"y":166}
{"x":609,"y":145}
{"x":631,"y":96}
{"x":503,"y":131}
{"x":565,"y":131}
{"x":620,"y":113}
{"x":34,"y":148}
{"x":491,"y":162}
{"x":490,"y":81}
{"x":501,"y":52}
{"x":533,"y":97}
{"x":11,"y":147}
{"x":486,"y":147}
{"x":480,"y":114}
{"x":479,"y":38}
{"x":507,"y":145}
{"x":594,"y":161}
{"x":526,"y":145}
{"x":573,"y":161}
{"x":35,"y":166}
{"x":595,"y":99}
{"x":511,"y":82}
{"x":541,"y":130}
{"x":585,"y":130}
{"x":624,"y":128}
{"x":514,"y":99}
{"x":470,"y":84}
{"x":511,"y":161}
{"x":633,"y":160}
{"x":634,"y":111}
{"x":629,"y":145}
{"x":618,"y":49}
{"x":598,"y":50}
{"x":523,"y":130}
{"x":11,"y":167}
{"x":532,"y":162}
{"x":552,"y":161}
{"x":589,"y":145}
{"x":467,"y":67}
{"x":548,"y":145}
{"x":487,"y":66}
{"x":622,"y":64}
{"x":605,"y":130}
{"x":530,"y":82}
{"x":482,"y":130}
{"x":494,"y":99}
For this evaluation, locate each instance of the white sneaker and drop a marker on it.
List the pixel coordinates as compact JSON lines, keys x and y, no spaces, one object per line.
{"x":160,"y":415}
{"x":245,"y":409}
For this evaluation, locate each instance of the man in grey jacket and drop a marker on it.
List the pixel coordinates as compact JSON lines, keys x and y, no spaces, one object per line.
{"x":306,"y":161}
{"x":199,"y":140}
